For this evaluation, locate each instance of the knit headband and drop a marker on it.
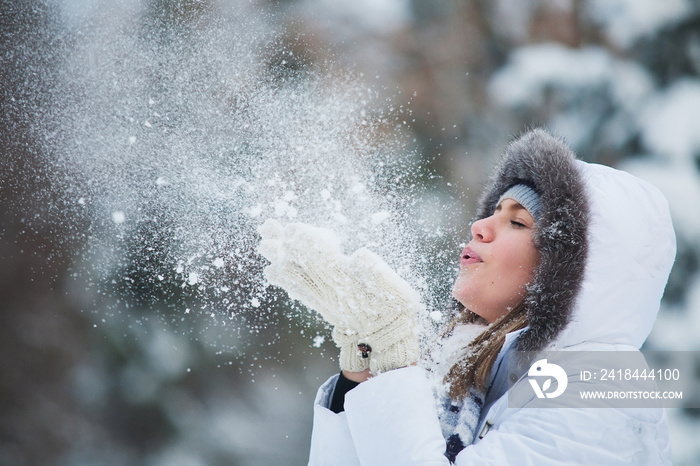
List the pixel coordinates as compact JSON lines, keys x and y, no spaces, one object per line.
{"x":526,"y":197}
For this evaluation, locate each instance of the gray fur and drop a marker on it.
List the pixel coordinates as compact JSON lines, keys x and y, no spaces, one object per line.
{"x":547,"y":165}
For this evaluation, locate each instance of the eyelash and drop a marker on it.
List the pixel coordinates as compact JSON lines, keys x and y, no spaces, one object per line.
{"x":517,"y":224}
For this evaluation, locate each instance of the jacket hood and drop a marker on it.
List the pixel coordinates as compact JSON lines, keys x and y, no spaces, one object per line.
{"x":606,"y":246}
{"x":632,"y":247}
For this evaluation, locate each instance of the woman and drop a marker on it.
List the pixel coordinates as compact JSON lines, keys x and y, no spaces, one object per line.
{"x":564,"y":256}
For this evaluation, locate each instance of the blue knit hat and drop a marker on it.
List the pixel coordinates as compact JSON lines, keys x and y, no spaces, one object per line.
{"x":526,"y":197}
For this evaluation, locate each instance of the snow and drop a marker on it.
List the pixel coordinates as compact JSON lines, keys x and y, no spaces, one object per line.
{"x":282,"y":154}
{"x":626,"y":21}
{"x":283,"y":208}
{"x":380,"y":217}
{"x":680,"y":185}
{"x":318,"y":341}
{"x":118,"y":217}
{"x":358,"y":188}
{"x":670,"y":121}
{"x":339,"y":218}
{"x":254,"y":211}
{"x":631,"y":85}
{"x":531,"y":68}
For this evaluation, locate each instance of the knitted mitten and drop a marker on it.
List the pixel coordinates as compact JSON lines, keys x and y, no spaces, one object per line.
{"x":367,"y":303}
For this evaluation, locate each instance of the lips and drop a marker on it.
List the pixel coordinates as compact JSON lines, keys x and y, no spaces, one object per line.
{"x":469,"y":257}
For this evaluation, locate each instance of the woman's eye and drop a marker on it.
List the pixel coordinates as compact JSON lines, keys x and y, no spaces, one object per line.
{"x":515,"y":223}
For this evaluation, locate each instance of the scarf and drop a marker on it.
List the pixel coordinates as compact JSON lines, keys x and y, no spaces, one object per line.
{"x":458,"y":418}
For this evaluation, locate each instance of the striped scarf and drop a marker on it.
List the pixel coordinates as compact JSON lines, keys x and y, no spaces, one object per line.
{"x":459,"y":420}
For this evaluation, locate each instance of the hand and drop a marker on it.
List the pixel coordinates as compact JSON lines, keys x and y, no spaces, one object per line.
{"x":360,"y":295}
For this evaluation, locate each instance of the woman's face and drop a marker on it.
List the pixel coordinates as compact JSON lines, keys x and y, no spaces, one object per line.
{"x":498,"y":262}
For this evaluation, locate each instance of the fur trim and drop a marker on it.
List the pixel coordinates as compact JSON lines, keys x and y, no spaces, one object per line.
{"x":546,"y":164}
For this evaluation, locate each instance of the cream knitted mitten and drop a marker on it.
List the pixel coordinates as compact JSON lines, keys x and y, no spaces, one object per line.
{"x":359,"y":294}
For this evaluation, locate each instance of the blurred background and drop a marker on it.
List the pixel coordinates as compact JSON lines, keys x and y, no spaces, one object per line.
{"x":110,"y":354}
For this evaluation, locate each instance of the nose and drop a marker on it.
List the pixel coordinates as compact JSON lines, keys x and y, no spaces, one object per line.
{"x":482,"y":231}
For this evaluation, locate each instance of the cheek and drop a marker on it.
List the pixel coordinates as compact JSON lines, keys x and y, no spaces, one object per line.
{"x":521,"y":270}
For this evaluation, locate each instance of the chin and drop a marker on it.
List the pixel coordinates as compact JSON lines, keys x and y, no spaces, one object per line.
{"x":462,"y":293}
{"x":467,"y":303}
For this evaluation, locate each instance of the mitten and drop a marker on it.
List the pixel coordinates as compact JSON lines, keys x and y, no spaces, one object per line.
{"x":307,"y":263}
{"x":386,"y":309}
{"x":368,"y":304}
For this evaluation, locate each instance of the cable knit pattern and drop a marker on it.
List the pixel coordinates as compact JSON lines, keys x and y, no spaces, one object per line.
{"x":359,"y":294}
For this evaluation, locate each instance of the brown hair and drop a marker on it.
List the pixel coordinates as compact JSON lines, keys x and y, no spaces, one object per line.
{"x":474,"y":367}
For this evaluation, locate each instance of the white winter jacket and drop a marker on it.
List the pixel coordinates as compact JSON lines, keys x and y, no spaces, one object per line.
{"x":392,"y":418}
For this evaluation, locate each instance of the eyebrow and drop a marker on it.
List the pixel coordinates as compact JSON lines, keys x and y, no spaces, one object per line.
{"x":515,"y":205}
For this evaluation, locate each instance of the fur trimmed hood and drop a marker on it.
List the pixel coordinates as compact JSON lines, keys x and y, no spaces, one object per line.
{"x":596,"y":272}
{"x":547,"y":165}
